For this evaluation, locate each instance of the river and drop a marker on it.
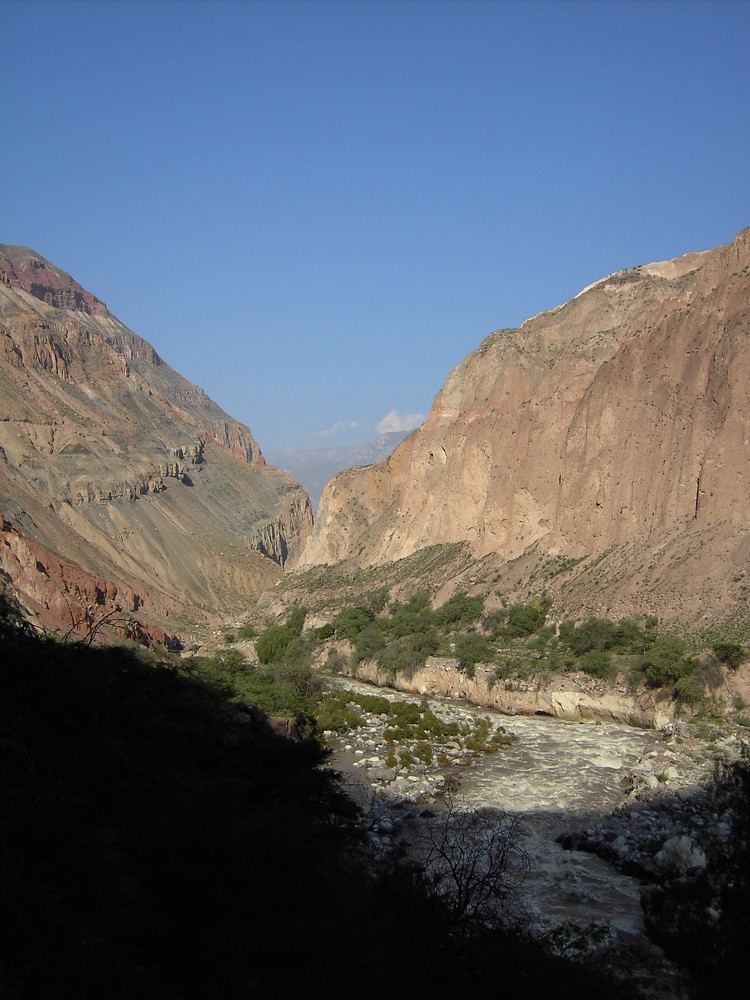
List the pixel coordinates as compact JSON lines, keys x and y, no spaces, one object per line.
{"x":560,"y":776}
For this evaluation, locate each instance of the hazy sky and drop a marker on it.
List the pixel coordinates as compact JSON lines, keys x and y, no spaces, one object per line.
{"x":315,"y":210}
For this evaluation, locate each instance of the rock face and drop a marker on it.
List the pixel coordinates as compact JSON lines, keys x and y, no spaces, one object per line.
{"x":618,"y":421}
{"x":573,"y":697}
{"x":122,"y":486}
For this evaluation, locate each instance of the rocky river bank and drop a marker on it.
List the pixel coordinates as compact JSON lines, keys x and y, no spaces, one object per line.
{"x":608,"y":810}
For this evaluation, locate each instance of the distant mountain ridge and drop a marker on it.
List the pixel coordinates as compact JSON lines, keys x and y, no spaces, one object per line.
{"x":123,"y":487}
{"x":611,"y":434}
{"x":314,"y":467}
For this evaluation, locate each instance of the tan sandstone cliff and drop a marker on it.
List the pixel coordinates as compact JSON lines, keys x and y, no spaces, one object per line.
{"x":615,"y":427}
{"x":123,"y":488}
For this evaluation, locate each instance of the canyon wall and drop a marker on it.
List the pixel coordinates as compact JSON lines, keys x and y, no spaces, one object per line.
{"x":123,"y":488}
{"x":620,"y":420}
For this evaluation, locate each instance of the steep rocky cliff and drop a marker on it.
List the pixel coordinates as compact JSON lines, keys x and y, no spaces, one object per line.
{"x":615,"y":427}
{"x":122,"y":486}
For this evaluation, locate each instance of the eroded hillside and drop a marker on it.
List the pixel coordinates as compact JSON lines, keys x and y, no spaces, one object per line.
{"x":123,"y":487}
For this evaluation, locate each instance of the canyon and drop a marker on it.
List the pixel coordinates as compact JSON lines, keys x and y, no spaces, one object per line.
{"x":599,"y":453}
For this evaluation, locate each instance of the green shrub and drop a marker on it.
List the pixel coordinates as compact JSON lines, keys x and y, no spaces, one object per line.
{"x":566,"y":631}
{"x":594,"y":633}
{"x":369,"y":642}
{"x":494,"y":622}
{"x":628,"y":637}
{"x":459,"y":610}
{"x":404,"y":654}
{"x":689,"y":691}
{"x":350,"y":621}
{"x":665,"y":662}
{"x":273,"y":643}
{"x":378,"y":599}
{"x":408,"y":619}
{"x":500,"y":738}
{"x":477,"y":740}
{"x":524,"y":619}
{"x":730,"y":653}
{"x":557,"y":658}
{"x":374,"y":703}
{"x":472,"y":649}
{"x":597,"y":663}
{"x":334,"y":712}
{"x":296,"y":619}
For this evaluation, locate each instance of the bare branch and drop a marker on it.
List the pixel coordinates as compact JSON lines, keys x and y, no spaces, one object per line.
{"x":475,"y":861}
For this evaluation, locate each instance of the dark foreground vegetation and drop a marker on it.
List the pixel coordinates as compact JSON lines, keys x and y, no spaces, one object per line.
{"x":702,"y":918}
{"x":159,"y":840}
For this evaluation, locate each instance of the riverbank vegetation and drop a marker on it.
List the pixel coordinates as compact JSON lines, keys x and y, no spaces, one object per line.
{"x":512,"y":641}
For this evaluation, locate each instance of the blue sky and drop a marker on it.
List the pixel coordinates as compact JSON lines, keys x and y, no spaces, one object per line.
{"x":314,"y":210}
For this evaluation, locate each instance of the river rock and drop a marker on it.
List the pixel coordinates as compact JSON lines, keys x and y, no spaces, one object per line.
{"x":680,"y":854}
{"x":381,"y":773}
{"x":620,"y":845}
{"x":688,"y":792}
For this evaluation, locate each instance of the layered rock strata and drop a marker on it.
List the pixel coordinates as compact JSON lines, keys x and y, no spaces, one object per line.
{"x":117,"y":476}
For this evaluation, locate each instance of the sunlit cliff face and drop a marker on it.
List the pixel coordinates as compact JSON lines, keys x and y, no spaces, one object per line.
{"x":620,"y":419}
